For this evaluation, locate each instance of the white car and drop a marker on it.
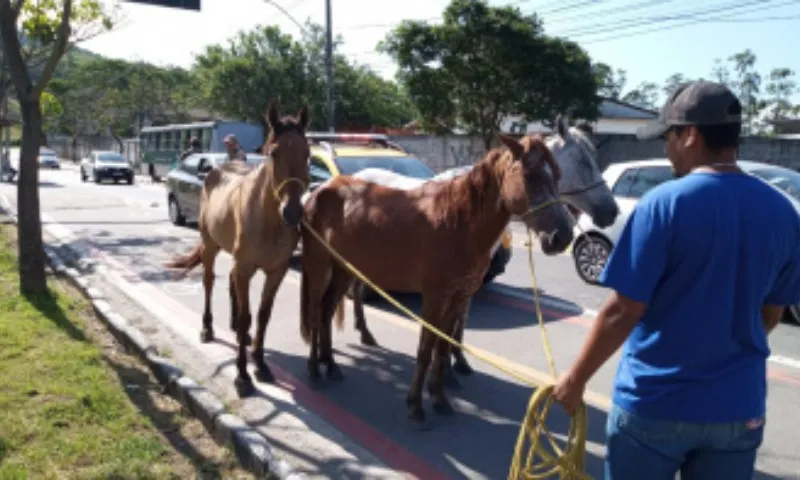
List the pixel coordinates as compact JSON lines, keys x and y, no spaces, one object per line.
{"x":628,"y":181}
{"x":48,"y":158}
{"x":106,"y":165}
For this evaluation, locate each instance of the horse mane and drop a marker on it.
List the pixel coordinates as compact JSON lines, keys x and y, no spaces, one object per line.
{"x":464,"y":195}
{"x":584,"y":139}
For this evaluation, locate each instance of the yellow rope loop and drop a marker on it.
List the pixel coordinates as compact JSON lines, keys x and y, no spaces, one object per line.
{"x":283,"y":184}
{"x":531,"y":460}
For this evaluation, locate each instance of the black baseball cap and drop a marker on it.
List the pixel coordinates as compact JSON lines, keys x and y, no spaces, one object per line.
{"x":695,"y":103}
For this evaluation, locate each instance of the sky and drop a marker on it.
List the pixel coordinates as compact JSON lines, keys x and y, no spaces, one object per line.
{"x":649,"y":39}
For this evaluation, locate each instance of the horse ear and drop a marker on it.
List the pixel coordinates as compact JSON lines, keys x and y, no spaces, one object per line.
{"x":302,"y":115}
{"x":272,"y":114}
{"x":562,"y":126}
{"x":512,"y":144}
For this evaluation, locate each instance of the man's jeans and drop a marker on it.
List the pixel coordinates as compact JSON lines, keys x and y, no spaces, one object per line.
{"x":645,"y":449}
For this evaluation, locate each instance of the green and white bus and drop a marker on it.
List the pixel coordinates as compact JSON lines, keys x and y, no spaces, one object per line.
{"x":160,"y":147}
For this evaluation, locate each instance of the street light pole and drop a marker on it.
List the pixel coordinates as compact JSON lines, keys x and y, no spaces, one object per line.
{"x":329,"y":65}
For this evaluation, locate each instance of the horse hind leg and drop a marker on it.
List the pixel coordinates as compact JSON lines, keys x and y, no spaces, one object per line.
{"x":234,"y":305}
{"x":334,"y":294}
{"x":209,"y":255}
{"x":358,"y":311}
{"x":242,"y":274}
{"x":273,"y":281}
{"x":460,"y":364}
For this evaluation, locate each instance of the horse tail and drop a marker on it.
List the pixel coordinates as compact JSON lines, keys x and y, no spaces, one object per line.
{"x":189,"y":261}
{"x":305,"y":321}
{"x":340,"y":315}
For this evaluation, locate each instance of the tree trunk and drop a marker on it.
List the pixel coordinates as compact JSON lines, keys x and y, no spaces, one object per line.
{"x":32,"y":278}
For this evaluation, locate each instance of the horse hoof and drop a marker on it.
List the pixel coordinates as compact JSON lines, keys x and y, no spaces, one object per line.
{"x":463,"y":368}
{"x":206,"y":336}
{"x":368,"y":340}
{"x":334,"y":373}
{"x":451,"y":381}
{"x":244,"y":386}
{"x":417,"y":420}
{"x":264,"y":375}
{"x":443,"y":407}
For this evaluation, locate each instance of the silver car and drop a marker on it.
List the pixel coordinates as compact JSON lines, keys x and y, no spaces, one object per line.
{"x":106,"y":165}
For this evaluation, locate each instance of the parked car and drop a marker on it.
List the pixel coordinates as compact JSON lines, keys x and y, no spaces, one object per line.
{"x":106,"y":165}
{"x":629,"y":181}
{"x":184,"y":184}
{"x":48,"y":158}
{"x":335,"y":154}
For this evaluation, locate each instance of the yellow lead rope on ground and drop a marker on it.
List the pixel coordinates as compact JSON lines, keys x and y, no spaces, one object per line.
{"x":531,"y":460}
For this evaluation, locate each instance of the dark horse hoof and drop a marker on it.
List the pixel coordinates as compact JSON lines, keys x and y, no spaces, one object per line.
{"x":206,"y":336}
{"x":417,"y":420}
{"x":264,"y":375}
{"x":462,"y":368}
{"x":244,"y":386}
{"x":451,"y":381}
{"x":442,"y":407}
{"x":368,"y":340}
{"x":335,"y":373}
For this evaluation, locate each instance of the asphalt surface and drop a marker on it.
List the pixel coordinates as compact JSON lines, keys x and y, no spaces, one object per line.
{"x":130,"y":224}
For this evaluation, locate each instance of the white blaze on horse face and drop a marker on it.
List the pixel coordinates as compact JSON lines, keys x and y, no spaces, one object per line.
{"x":581,"y":181}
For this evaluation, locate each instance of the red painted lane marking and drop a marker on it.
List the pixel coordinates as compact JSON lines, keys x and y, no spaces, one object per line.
{"x":528,"y":306}
{"x":496,"y":297}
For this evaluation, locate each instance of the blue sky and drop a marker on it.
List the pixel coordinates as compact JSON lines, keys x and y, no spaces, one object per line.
{"x":167,"y":36}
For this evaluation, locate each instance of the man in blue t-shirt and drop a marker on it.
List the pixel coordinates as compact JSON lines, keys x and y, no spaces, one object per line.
{"x":700,"y":277}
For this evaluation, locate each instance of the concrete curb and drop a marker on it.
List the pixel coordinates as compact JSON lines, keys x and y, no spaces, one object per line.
{"x":251,"y":449}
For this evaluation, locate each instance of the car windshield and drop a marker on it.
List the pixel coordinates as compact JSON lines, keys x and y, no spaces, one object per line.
{"x":408,"y":165}
{"x":785,"y":180}
{"x":111,"y":157}
{"x":46,"y":152}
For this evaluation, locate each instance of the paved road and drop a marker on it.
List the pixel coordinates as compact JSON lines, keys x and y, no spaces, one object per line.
{"x":130,"y":224}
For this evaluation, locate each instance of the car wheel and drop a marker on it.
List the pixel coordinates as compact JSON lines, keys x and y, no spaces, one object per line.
{"x":83,"y":175}
{"x":793,"y":314}
{"x":590,"y":255}
{"x":96,"y":178}
{"x":175,"y":215}
{"x":130,"y":180}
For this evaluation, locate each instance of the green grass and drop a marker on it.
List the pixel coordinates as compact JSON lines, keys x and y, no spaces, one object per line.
{"x":63,"y":411}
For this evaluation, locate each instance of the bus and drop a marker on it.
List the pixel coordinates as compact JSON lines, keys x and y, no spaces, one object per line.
{"x":160,"y":147}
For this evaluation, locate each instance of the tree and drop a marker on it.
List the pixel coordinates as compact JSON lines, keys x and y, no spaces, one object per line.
{"x":720,"y":73}
{"x":747,"y":85}
{"x":645,"y":95}
{"x":672,"y":83}
{"x":781,"y":86}
{"x":485,"y":63}
{"x":44,"y":26}
{"x":611,"y":83}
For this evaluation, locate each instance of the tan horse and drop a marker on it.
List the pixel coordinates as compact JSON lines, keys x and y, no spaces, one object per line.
{"x":435,"y":239}
{"x":253,"y":214}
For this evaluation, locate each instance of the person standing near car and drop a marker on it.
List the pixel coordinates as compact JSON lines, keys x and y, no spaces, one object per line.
{"x":193,"y":147}
{"x":700,"y":277}
{"x":233,"y":149}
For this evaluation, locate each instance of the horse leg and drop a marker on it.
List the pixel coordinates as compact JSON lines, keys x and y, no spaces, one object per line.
{"x":242,"y":273}
{"x":337,"y":288}
{"x":209,"y":255}
{"x":441,"y":359}
{"x":358,"y":310}
{"x":234,"y":306}
{"x":460,"y":364}
{"x":274,"y":279}
{"x":431,"y":311}
{"x":313,"y":286}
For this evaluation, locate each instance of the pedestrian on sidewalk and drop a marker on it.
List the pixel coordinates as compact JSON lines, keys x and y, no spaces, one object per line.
{"x":233,"y":149}
{"x":700,"y":277}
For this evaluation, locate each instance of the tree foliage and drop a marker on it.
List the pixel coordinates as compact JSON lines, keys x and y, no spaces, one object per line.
{"x":484,"y":63}
{"x":240,"y":79}
{"x":29,"y":31}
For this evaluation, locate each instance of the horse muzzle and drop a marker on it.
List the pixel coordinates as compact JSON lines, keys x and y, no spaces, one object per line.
{"x":292,"y":213}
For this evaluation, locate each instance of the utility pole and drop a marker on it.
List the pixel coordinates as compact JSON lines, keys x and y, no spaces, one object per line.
{"x":329,"y":65}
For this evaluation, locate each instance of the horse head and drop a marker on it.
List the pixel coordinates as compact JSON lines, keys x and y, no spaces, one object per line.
{"x":529,"y":189}
{"x":288,"y":148}
{"x":581,"y":184}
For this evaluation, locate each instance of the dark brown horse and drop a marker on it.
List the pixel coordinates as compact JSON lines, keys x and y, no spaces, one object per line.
{"x":253,"y":214}
{"x":435,"y":238}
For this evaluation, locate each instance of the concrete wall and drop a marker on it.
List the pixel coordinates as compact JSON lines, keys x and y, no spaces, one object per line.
{"x":451,"y":151}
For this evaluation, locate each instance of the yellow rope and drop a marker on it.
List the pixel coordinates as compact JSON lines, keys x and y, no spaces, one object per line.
{"x":530,"y":449}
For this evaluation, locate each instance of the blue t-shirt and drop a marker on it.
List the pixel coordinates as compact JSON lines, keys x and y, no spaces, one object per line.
{"x":704,"y":252}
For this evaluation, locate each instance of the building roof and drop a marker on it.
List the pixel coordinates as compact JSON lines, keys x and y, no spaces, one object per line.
{"x":611,"y":108}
